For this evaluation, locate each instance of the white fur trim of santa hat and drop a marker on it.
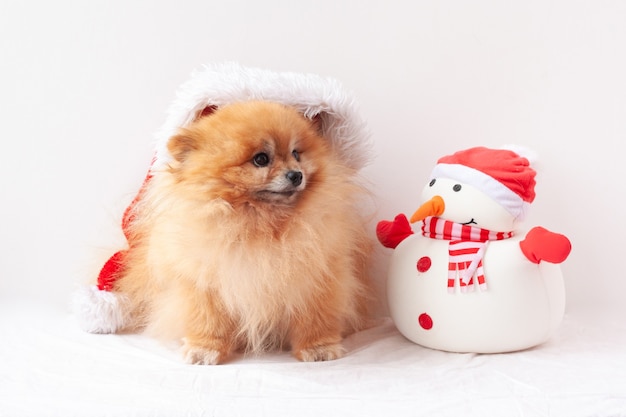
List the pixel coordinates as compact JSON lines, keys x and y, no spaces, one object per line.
{"x":99,"y":311}
{"x":502,"y":174}
{"x":313,"y":95}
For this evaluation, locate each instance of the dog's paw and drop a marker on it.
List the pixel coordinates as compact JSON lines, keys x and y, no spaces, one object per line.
{"x":198,"y":355}
{"x":321,"y":353}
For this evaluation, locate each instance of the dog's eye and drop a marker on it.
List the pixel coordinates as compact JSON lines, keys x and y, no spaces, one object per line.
{"x":296,"y":155}
{"x":261,"y":159}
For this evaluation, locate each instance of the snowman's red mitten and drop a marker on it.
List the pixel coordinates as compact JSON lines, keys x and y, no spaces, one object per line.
{"x":543,"y":245}
{"x":391,"y":233}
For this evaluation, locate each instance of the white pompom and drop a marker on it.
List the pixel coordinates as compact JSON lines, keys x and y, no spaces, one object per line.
{"x":523,"y":152}
{"x":99,"y":311}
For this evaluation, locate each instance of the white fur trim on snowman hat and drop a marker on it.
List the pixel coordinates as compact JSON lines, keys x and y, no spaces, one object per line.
{"x":512,"y":202}
{"x":222,"y":84}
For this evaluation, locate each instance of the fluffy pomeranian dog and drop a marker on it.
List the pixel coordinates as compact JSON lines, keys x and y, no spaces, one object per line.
{"x":250,"y":240}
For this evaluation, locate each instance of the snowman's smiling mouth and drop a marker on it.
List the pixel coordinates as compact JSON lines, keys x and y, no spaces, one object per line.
{"x":470,"y":222}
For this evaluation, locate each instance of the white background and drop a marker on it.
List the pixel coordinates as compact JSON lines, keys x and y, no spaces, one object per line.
{"x":85,"y":84}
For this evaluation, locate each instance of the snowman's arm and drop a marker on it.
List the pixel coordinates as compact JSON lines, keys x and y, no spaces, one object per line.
{"x":543,"y":245}
{"x":391,"y":233}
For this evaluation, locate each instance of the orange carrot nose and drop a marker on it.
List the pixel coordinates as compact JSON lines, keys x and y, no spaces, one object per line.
{"x":433,"y":207}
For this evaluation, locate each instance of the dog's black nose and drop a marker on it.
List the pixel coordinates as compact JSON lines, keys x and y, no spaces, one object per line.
{"x":295,"y":177}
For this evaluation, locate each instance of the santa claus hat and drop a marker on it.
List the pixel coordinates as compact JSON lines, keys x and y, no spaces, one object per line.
{"x":502,"y":174}
{"x":97,"y":308}
{"x":323,"y":98}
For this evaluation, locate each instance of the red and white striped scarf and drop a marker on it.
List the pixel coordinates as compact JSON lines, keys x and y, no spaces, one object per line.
{"x":466,"y":249}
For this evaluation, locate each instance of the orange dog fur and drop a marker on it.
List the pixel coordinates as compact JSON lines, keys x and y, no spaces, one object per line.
{"x":250,"y":240}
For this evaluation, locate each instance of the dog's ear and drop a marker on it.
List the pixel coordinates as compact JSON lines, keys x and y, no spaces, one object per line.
{"x":318,"y":122}
{"x":180,"y":145}
{"x":207,"y":111}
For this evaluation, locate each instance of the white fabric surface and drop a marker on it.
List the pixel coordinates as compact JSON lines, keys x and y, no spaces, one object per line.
{"x":49,"y":367}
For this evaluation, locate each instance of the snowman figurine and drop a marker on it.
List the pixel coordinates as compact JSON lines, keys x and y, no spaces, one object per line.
{"x":469,"y":281}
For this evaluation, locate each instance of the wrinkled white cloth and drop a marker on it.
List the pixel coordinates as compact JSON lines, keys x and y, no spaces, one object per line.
{"x":50,"y":367}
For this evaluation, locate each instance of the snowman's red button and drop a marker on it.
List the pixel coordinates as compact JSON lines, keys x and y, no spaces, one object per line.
{"x":425,"y":321}
{"x":423,"y":264}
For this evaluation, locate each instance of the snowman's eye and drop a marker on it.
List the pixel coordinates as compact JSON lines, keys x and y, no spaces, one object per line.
{"x":432,"y":182}
{"x":457,"y":187}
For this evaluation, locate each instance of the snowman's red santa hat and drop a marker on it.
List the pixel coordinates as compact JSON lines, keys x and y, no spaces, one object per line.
{"x":502,"y":174}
